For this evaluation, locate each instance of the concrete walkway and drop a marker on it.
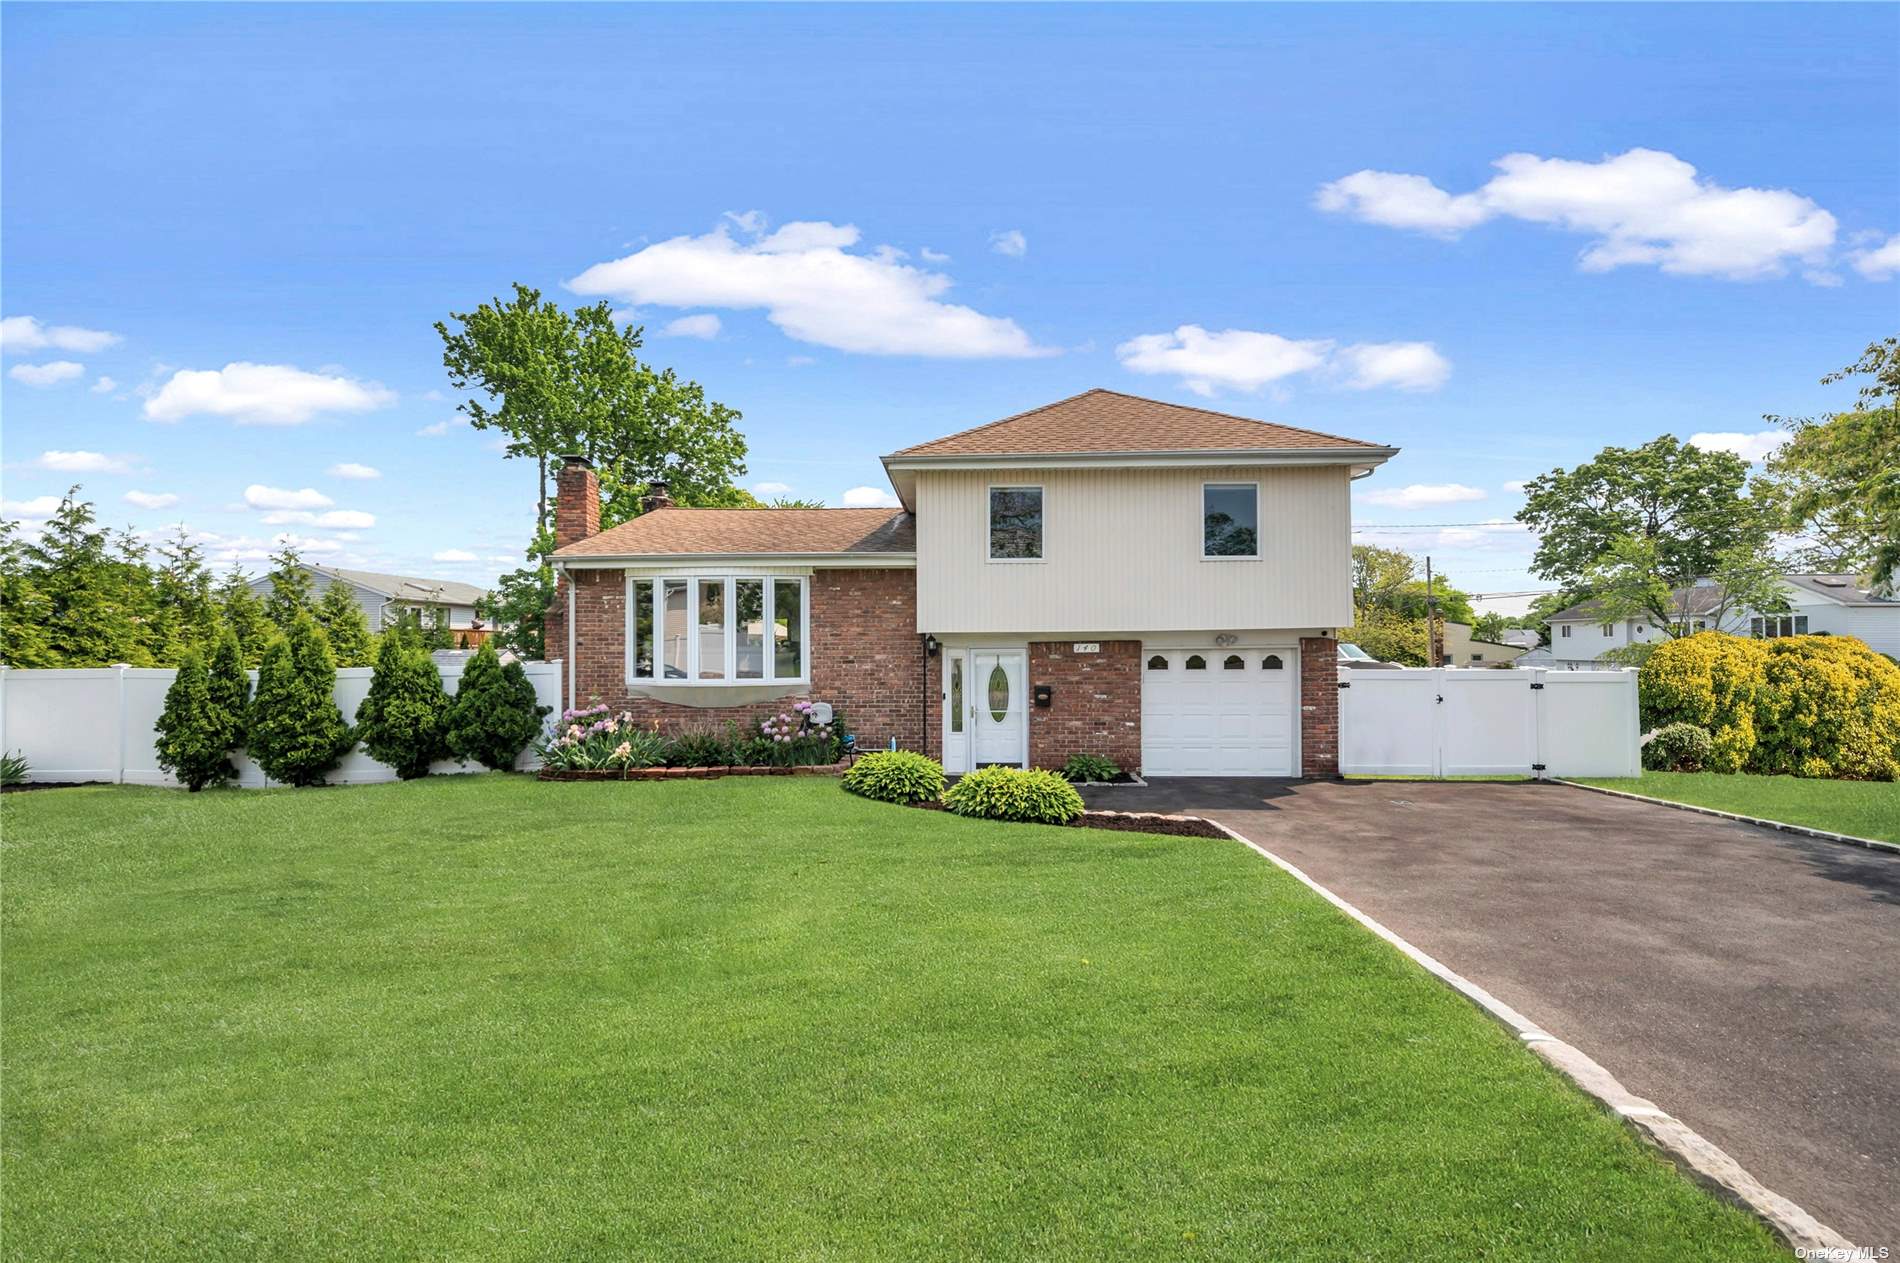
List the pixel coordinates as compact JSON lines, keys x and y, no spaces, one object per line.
{"x":1746,"y":980}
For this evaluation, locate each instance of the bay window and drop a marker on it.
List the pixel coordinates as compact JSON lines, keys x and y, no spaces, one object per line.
{"x":716,"y":631}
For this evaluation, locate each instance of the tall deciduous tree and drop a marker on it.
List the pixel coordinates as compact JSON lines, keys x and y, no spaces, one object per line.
{"x":1689,"y":503}
{"x":1836,"y":481}
{"x":1631,"y":581}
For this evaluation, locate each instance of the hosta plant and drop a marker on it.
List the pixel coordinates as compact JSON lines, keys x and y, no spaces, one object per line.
{"x":1010,"y":793}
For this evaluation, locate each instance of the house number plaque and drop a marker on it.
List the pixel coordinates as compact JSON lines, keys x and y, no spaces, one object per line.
{"x":1087,"y":646}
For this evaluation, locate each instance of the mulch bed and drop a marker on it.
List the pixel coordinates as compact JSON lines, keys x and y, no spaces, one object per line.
{"x":691,"y":773}
{"x":1127,"y":822}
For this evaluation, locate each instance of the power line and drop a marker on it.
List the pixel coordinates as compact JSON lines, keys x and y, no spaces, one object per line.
{"x":1431,"y":526}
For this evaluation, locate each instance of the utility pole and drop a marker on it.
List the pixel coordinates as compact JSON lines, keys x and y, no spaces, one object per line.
{"x":1434,"y":656}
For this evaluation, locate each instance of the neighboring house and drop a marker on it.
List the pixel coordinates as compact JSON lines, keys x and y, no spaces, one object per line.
{"x":1521,"y":638}
{"x":384,"y":597}
{"x":1154,"y":583}
{"x":1839,"y":605}
{"x":1464,"y":650}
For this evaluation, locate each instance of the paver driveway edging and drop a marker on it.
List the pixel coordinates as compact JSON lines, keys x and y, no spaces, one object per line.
{"x":1686,"y":1148}
{"x":1872,"y":844}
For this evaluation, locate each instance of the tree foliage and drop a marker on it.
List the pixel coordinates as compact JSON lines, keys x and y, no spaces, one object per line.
{"x":1392,"y":581}
{"x":494,"y":714}
{"x":191,"y":733}
{"x":291,"y":591}
{"x":1629,"y":583}
{"x":517,"y":606}
{"x":242,"y":610}
{"x":343,"y":621}
{"x":296,"y":733}
{"x":1690,"y":503}
{"x":401,"y":720}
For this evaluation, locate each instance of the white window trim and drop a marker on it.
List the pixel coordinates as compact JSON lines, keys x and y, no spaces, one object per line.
{"x":988,"y":556}
{"x":1252,"y":556}
{"x":656,"y":585}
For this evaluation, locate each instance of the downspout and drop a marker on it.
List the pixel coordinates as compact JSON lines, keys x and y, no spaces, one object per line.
{"x":569,"y":576}
{"x":923,"y":698}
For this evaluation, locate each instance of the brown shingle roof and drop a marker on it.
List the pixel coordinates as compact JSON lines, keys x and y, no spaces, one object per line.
{"x":752,"y":533}
{"x":1108,"y":421}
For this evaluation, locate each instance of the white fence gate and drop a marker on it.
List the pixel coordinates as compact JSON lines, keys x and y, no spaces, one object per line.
{"x":95,"y":724}
{"x":1420,"y":721}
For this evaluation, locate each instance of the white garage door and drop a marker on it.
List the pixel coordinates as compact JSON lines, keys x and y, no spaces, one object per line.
{"x":1217,"y":712}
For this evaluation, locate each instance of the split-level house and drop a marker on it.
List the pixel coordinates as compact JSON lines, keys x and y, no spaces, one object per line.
{"x":1110,"y":575}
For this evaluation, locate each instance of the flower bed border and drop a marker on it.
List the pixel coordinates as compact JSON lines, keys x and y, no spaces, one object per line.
{"x":690,"y":773}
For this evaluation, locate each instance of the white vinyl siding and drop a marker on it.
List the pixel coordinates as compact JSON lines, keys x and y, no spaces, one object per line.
{"x":1122,"y":552}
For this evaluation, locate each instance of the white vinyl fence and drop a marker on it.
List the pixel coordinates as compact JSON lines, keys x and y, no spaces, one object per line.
{"x":1420,"y":721}
{"x":95,"y":724}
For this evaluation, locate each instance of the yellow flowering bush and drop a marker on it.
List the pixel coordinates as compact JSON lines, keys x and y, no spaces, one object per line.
{"x":1813,"y":706}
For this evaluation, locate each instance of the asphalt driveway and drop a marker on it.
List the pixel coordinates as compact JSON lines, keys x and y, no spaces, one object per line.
{"x":1746,"y":980}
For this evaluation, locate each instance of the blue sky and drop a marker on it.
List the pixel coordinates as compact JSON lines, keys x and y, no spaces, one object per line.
{"x":1309,"y":214}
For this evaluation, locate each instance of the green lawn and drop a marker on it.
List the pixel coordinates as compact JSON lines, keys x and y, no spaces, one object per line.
{"x":492,"y":1018}
{"x":1865,"y":809}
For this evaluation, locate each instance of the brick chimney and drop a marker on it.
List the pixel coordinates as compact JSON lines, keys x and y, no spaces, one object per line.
{"x":657,"y":497}
{"x":576,"y":501}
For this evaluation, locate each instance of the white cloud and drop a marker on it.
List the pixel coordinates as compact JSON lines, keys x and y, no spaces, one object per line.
{"x":1879,"y":262}
{"x":1010,"y":243}
{"x":1422,"y":495}
{"x":48,"y":374}
{"x":83,"y":462}
{"x":258,"y":496}
{"x":813,"y":288}
{"x":869,"y":498}
{"x":262,"y":394}
{"x":1415,"y":366}
{"x":350,"y":469}
{"x":932,"y":256}
{"x":1643,"y":207}
{"x":37,"y":507}
{"x":24,"y":333}
{"x":455,"y":554}
{"x":1516,"y":485}
{"x":1246,"y":360}
{"x":705,"y":327}
{"x":436,"y":429}
{"x":1753,"y":448}
{"x":151,"y":499}
{"x":771,"y":488}
{"x":1492,"y":535}
{"x":104,"y":385}
{"x":1238,"y":359}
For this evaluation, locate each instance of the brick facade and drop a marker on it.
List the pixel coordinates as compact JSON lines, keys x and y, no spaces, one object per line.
{"x":576,"y":502}
{"x":1319,"y":706}
{"x":866,"y":656}
{"x":1095,"y":703}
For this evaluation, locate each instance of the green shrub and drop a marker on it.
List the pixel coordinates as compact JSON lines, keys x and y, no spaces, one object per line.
{"x":400,"y":721}
{"x":1090,"y":767}
{"x":1678,"y":748}
{"x":1828,"y":707}
{"x":896,"y":776}
{"x":1009,"y":793}
{"x":1816,"y":706}
{"x":190,"y":732}
{"x":700,"y":747}
{"x":296,"y":733}
{"x":13,"y":769}
{"x":494,"y":714}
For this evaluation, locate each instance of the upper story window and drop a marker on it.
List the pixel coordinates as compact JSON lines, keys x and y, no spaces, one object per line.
{"x":1565,"y":628}
{"x":1015,"y":523}
{"x":1778,"y":625}
{"x":716,"y":631}
{"x":1230,"y":519}
{"x":1609,"y":629}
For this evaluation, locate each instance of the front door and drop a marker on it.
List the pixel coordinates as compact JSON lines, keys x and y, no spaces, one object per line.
{"x":998,"y":705}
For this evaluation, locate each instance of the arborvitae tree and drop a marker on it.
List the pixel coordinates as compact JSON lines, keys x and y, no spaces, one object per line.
{"x":296,"y":733}
{"x":495,"y":714}
{"x":187,"y":609}
{"x":290,"y":588}
{"x":191,"y":732}
{"x":230,"y":688}
{"x":401,"y":721}
{"x":342,"y":621}
{"x":244,"y":614}
{"x":436,"y":630}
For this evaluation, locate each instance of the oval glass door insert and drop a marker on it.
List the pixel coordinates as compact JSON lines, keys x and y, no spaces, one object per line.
{"x":999,"y":693}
